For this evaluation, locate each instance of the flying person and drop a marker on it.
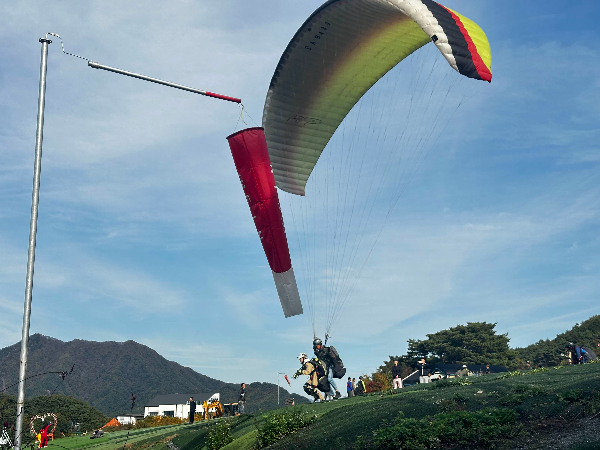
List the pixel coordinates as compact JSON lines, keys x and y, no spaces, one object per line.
{"x":333,"y":364}
{"x":312,"y":369}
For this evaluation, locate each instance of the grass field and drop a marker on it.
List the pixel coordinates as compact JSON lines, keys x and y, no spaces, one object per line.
{"x":118,"y":439}
{"x":557,"y":409}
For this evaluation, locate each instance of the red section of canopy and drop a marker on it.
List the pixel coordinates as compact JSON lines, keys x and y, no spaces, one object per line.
{"x":251,"y":158}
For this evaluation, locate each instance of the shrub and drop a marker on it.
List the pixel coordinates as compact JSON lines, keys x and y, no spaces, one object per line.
{"x":530,"y":390}
{"x":479,"y":428}
{"x":219,"y":435}
{"x":514,"y":373}
{"x":158,"y":421}
{"x":378,"y":382}
{"x":277,"y":426}
{"x":406,"y":434}
{"x":571,"y":396}
{"x":512,"y":399}
{"x":450,"y":382}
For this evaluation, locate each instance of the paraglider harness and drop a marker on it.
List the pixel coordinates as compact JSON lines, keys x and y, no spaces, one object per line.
{"x":331,"y":358}
{"x":589,"y":355}
{"x":338,"y":366}
{"x":323,"y":382}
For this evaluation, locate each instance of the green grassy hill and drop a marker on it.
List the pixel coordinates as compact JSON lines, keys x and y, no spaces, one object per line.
{"x":556,"y":408}
{"x":106,"y":373}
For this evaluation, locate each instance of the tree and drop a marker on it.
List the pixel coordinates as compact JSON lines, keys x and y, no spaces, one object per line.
{"x":473,"y":343}
{"x":378,"y":382}
{"x":548,"y":352}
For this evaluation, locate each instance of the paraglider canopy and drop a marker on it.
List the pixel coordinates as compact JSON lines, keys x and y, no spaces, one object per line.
{"x":341,"y":50}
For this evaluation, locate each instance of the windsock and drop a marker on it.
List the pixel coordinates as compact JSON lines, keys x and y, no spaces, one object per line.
{"x":251,"y":158}
{"x":288,"y":380}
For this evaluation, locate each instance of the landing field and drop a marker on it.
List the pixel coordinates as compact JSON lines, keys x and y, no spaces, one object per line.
{"x":558,"y":408}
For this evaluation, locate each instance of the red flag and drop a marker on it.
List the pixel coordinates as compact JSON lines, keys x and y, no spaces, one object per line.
{"x":288,"y":380}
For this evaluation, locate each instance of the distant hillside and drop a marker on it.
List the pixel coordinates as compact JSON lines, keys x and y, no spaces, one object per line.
{"x":106,"y":373}
{"x":548,"y":352}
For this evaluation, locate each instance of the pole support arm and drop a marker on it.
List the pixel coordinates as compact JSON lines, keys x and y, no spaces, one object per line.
{"x":96,"y":65}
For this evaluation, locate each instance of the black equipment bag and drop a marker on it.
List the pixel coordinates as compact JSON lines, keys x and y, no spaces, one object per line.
{"x":590,"y":354}
{"x":338,"y":366}
{"x":318,"y":368}
{"x":324,"y":385}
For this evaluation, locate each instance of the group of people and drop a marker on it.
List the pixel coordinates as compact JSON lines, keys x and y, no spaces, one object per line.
{"x":355,"y":388}
{"x":321,"y":370}
{"x":240,"y":405}
{"x":579,"y":355}
{"x":465,"y":372}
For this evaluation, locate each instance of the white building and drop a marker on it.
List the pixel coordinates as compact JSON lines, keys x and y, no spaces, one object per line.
{"x":177,"y":405}
{"x":126,"y":419}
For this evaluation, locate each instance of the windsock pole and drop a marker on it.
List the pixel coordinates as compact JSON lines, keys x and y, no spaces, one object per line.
{"x":35,"y":199}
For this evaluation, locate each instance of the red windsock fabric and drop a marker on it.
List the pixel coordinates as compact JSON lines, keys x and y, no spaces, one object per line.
{"x":251,"y":158}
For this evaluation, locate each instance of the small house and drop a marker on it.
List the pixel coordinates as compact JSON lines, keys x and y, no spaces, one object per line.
{"x":129,"y":419}
{"x":177,"y":405}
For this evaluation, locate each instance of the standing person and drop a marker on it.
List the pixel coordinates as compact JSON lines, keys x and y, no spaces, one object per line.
{"x":310,"y":368}
{"x":242,"y":399}
{"x":326,"y":356}
{"x":360,"y":387}
{"x":353,"y":387}
{"x":349,"y":387}
{"x":424,"y":369}
{"x":192,"y":409}
{"x":488,"y":370}
{"x":397,"y":375}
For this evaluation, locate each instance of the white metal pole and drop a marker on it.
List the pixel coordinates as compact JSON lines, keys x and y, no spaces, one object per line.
{"x":96,"y":65}
{"x":35,"y":197}
{"x":278,"y":373}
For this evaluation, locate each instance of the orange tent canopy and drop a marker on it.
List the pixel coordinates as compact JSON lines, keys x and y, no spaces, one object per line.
{"x":113,"y":423}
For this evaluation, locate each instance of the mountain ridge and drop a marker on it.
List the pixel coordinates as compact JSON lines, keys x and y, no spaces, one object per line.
{"x":106,"y":373}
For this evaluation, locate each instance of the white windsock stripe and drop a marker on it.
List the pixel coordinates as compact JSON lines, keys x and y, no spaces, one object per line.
{"x":285,"y":282}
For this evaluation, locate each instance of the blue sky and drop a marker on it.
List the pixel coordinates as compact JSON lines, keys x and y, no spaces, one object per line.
{"x":144,"y":232}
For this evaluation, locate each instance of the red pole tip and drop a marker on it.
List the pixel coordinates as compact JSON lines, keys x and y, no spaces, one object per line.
{"x":224,"y":97}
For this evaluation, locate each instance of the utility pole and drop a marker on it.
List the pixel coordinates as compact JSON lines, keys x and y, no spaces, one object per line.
{"x":35,"y":198}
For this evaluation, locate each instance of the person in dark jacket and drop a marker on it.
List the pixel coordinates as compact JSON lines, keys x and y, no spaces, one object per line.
{"x":324,"y":355}
{"x":242,"y":399}
{"x":359,"y":389}
{"x":192,"y":409}
{"x":397,"y":375}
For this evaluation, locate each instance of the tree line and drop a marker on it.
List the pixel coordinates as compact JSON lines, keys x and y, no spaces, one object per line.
{"x":479,"y":343}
